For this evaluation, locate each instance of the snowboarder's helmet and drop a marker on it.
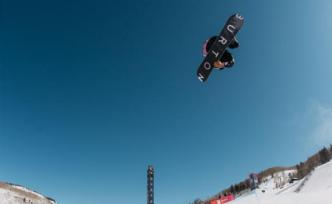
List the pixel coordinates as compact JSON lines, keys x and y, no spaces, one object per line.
{"x":208,"y":44}
{"x":205,"y":51}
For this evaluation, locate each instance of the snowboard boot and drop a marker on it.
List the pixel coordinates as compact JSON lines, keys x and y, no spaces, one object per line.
{"x":229,"y":64}
{"x":227,"y":59}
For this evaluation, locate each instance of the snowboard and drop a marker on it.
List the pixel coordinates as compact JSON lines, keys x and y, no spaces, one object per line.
{"x":227,"y":34}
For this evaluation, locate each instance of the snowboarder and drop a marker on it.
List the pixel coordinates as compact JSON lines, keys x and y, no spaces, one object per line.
{"x":227,"y":59}
{"x":215,"y":49}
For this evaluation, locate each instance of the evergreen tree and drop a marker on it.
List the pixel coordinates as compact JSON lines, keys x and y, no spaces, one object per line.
{"x":237,"y":190}
{"x":300,"y":170}
{"x":324,"y":155}
{"x":232,"y":189}
{"x":198,"y":201}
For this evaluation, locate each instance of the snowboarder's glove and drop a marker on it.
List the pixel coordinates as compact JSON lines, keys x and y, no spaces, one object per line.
{"x":234,"y":44}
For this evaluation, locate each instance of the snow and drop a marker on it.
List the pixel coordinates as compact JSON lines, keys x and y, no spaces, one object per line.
{"x":27,"y":190}
{"x":317,"y":189}
{"x":287,"y":198}
{"x":321,"y":179}
{"x":14,"y":194}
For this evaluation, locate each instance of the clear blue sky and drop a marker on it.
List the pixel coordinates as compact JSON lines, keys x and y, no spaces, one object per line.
{"x":91,"y":92}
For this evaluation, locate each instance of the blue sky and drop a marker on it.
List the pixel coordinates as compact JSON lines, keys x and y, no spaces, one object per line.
{"x":91,"y":92}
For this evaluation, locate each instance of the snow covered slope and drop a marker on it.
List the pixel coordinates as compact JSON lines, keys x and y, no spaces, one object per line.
{"x":316,"y":190}
{"x":14,"y":194}
{"x":320,"y":180}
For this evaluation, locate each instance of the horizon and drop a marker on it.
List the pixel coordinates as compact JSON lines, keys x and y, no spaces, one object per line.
{"x":91,"y":93}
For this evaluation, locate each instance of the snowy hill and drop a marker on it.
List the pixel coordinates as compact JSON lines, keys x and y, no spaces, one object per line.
{"x":316,"y":188}
{"x":321,"y":180}
{"x":15,"y":194}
